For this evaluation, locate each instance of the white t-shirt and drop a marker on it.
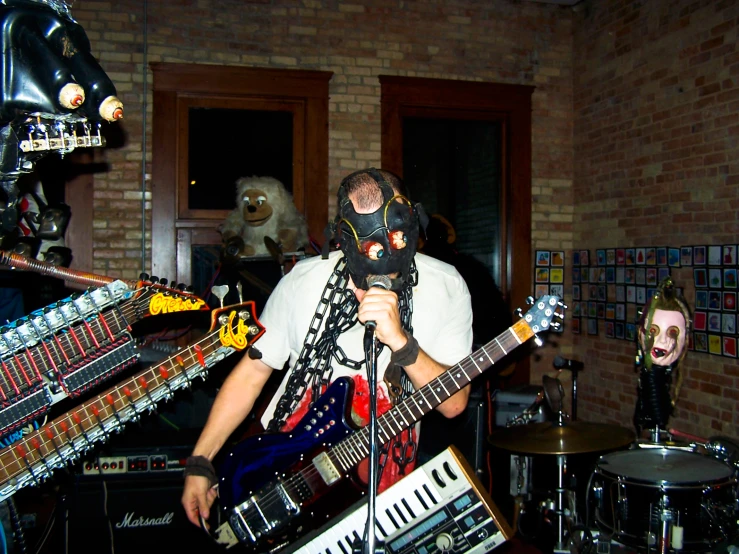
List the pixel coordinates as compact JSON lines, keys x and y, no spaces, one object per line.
{"x":441,"y":321}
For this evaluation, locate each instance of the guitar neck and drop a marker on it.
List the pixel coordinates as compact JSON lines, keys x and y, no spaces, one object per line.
{"x":356,"y":447}
{"x":64,"y":439}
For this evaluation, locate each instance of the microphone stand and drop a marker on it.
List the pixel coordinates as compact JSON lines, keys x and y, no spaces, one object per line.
{"x":370,"y":348}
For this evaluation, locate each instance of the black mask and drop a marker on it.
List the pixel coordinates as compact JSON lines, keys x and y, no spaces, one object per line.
{"x":379,"y":243}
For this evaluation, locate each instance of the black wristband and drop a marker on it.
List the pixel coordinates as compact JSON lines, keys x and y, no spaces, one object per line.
{"x":408,"y":354}
{"x":201,"y":466}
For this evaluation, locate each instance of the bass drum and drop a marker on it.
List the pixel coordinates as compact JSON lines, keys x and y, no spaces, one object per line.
{"x":643,"y":497}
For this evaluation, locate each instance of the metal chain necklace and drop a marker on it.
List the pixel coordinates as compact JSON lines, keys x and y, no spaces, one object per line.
{"x":338,"y":307}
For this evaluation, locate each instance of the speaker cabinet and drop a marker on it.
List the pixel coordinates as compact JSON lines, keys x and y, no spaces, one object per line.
{"x":130,"y":514}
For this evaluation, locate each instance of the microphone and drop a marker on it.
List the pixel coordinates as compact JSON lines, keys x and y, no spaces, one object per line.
{"x":563,"y":363}
{"x":383,"y":282}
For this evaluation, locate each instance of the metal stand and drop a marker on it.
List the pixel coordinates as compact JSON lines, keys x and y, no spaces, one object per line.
{"x":372,"y":545}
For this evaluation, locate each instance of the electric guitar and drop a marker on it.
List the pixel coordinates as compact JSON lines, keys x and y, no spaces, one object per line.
{"x":268,"y":482}
{"x":72,"y":345}
{"x":34,"y":458}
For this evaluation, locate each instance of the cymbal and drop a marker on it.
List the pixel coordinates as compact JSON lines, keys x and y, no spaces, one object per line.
{"x":574,"y":437}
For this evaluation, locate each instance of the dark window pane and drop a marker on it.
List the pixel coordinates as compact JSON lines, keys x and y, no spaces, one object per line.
{"x":225,"y":145}
{"x":453,"y":167}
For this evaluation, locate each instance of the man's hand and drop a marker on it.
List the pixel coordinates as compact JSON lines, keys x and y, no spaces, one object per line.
{"x":381,"y":306}
{"x":197,"y":498}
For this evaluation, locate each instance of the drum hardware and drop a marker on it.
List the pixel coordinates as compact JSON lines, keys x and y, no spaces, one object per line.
{"x":665,"y":499}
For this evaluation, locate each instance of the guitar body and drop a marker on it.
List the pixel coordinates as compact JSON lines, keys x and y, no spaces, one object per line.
{"x":257,"y":469}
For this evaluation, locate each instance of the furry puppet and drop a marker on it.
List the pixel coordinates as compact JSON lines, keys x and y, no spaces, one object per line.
{"x":264,"y":208}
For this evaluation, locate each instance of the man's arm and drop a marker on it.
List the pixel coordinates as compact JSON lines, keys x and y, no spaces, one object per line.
{"x":381,"y":306}
{"x":232,"y":404}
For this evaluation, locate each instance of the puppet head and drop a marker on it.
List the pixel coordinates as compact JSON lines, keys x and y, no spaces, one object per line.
{"x":377,"y":226}
{"x":663,"y":327}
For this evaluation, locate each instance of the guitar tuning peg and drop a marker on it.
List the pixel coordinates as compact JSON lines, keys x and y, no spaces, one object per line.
{"x":189,"y":288}
{"x":538,"y":341}
{"x":519,"y":312}
{"x":220,"y":291}
{"x":143,"y":276}
{"x":530,"y":300}
{"x":239,"y":288}
{"x":163,"y":282}
{"x":154,"y":279}
{"x":181,"y":286}
{"x":562,"y":305}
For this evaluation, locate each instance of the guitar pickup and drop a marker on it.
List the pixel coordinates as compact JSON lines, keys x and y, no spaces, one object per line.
{"x":28,"y":407}
{"x":108,"y":361}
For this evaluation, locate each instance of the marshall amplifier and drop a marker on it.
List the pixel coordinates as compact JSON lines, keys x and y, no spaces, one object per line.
{"x":124,"y":513}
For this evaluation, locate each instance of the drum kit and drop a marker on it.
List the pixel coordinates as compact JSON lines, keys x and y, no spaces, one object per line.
{"x":640,"y":496}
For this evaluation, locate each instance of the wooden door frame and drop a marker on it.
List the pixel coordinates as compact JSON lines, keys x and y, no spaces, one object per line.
{"x":510,"y":104}
{"x":173,"y":82}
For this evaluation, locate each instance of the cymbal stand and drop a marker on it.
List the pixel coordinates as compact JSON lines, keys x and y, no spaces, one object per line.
{"x":561,"y":469}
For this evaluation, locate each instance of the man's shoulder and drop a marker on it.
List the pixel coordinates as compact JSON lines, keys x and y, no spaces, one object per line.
{"x":432,"y":266}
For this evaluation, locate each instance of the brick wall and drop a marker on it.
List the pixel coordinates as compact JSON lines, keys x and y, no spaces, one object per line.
{"x":525,"y":43}
{"x":656,"y":102}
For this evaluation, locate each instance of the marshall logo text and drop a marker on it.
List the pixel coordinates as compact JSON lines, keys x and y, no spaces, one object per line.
{"x":130,"y":520}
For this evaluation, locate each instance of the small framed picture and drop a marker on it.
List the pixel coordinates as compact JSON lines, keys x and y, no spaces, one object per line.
{"x":630,"y":276}
{"x":602,"y":293}
{"x":714,"y":300}
{"x":620,"y":293}
{"x":699,"y":256}
{"x":601,"y":310}
{"x":576,"y":257}
{"x":600,"y":256}
{"x":714,"y":255}
{"x":661,"y":256}
{"x":594,"y":273}
{"x":714,"y":323}
{"x":576,"y":292}
{"x":728,"y":324}
{"x":641,"y":256}
{"x":584,"y":257}
{"x":542,"y":275}
{"x":610,"y":256}
{"x":610,"y":275}
{"x":699,"y":321}
{"x":620,"y":256}
{"x":542,"y":258}
{"x":558,"y":258}
{"x":729,"y":301}
{"x":714,"y":345}
{"x":541,"y":290}
{"x":686,"y":256}
{"x":631,"y":294}
{"x":610,"y":330}
{"x":575,"y":274}
{"x":557,"y":290}
{"x":662,"y":273}
{"x":652,"y":276}
{"x":730,"y":278}
{"x":730,"y":347}
{"x":576,"y":309}
{"x":575,"y":325}
{"x":629,"y":256}
{"x":700,"y":342}
{"x":729,"y":254}
{"x":673,"y":257}
{"x":700,"y":277}
{"x":714,"y":278}
{"x":630,"y":331}
{"x":701,"y":300}
{"x":592,"y":309}
{"x":620,"y":275}
{"x":610,"y":310}
{"x":556,"y":275}
{"x":641,"y":295}
{"x":620,"y":312}
{"x":619,"y":330}
{"x":651,"y":258}
{"x":641,"y":276}
{"x":592,"y":326}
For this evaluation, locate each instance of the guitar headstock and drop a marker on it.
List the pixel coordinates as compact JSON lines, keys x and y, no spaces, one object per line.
{"x":238,"y":326}
{"x":540,"y":317}
{"x":158,"y":298}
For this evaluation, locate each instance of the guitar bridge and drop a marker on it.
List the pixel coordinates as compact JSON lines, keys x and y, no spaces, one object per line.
{"x":262,"y":513}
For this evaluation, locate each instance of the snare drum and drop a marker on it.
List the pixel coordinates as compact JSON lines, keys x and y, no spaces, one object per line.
{"x":646,"y":496}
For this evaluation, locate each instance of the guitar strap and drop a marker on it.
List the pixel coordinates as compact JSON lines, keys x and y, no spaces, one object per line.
{"x":313,"y":370}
